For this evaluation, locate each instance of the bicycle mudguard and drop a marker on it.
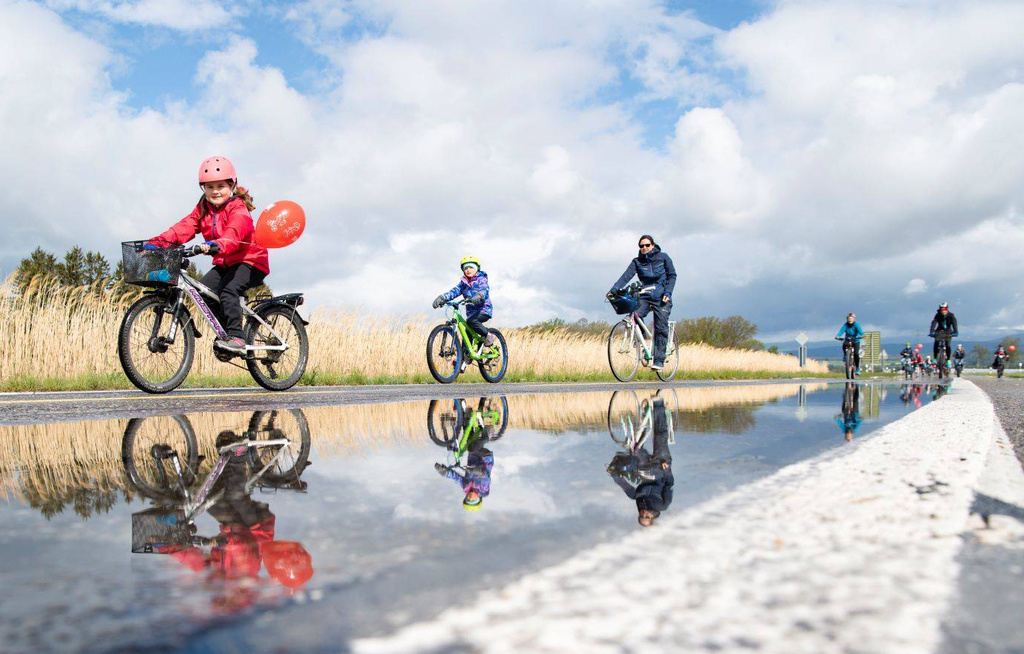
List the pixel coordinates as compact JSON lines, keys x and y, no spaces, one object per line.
{"x":290,"y":301}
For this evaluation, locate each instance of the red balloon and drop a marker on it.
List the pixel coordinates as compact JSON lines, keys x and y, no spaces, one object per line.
{"x":1013,"y":347}
{"x":280,"y":224}
{"x":919,"y":346}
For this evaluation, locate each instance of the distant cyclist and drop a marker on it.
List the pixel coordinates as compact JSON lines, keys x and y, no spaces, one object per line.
{"x":943,"y":324}
{"x":852,"y":330}
{"x":653,"y":268}
{"x":958,"y":356}
{"x":907,"y":352}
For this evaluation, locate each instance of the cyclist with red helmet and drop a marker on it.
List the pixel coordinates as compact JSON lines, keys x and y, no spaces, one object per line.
{"x":943,"y":324}
{"x":222,"y":217}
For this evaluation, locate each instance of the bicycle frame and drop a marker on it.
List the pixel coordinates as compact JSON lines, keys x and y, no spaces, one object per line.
{"x":196,"y":290}
{"x":203,"y":500}
{"x":638,"y":332}
{"x":469,"y":337}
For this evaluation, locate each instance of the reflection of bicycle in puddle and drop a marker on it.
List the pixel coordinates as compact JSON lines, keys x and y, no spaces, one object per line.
{"x":464,"y":429}
{"x":642,"y":468}
{"x":162,"y":462}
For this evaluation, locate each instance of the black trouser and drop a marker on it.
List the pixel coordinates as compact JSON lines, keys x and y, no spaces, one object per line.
{"x":661,"y":313}
{"x":476,"y":323}
{"x":939,"y":342}
{"x":229,"y":282}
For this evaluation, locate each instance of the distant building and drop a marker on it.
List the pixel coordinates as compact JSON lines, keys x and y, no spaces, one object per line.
{"x":871,"y":350}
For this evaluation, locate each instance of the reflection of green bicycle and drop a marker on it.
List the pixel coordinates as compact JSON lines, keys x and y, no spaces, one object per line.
{"x":452,"y":424}
{"x":453,"y":345}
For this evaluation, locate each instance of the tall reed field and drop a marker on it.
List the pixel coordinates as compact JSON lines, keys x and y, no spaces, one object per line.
{"x":55,"y":337}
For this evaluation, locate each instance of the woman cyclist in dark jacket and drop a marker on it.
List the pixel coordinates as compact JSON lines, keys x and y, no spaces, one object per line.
{"x":652,"y":267}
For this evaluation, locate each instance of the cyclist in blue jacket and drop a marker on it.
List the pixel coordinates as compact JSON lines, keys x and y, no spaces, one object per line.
{"x":852,"y":330}
{"x":653,"y":268}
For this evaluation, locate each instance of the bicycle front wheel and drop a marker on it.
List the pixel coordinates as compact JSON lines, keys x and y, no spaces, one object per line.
{"x":623,"y":351}
{"x":444,"y":420}
{"x":277,"y":370}
{"x":623,"y":415}
{"x":149,"y":359}
{"x":444,"y":353}
{"x":493,"y":370}
{"x":671,"y":364}
{"x":145,"y":454}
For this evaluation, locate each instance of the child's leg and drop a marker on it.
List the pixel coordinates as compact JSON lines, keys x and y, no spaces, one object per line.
{"x":477,"y":324}
{"x":212,"y":280}
{"x":235,"y":281}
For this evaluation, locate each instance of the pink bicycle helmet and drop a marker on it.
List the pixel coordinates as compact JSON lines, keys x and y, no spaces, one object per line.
{"x":216,"y":169}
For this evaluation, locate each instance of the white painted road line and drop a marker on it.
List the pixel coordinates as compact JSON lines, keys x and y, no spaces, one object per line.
{"x":853,"y":551}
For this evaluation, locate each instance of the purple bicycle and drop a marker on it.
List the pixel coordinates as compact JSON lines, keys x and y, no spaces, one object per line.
{"x":156,"y":342}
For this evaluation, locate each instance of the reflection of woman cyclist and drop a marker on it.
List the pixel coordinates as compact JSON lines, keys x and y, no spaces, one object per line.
{"x":849,"y":420}
{"x":653,"y":471}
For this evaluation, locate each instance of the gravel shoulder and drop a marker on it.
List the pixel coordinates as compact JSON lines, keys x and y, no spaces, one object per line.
{"x":854,"y":551}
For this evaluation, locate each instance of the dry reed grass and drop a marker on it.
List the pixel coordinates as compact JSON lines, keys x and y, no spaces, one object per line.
{"x":58,"y":460}
{"x":342,"y":343}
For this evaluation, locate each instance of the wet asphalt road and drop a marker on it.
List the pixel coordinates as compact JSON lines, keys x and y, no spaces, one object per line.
{"x":32,"y":408}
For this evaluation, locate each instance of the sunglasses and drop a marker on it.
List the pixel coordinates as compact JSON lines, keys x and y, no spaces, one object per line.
{"x":644,"y":246}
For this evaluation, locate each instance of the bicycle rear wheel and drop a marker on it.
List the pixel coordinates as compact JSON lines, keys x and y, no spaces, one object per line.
{"x":444,"y":353}
{"x":493,"y":370}
{"x":671,"y":364}
{"x":155,"y":477}
{"x":274,"y":425}
{"x":148,"y":359}
{"x":277,"y":370}
{"x":623,"y":351}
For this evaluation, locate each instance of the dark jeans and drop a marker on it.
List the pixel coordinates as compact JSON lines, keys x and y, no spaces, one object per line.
{"x":477,"y":324}
{"x":661,"y":313}
{"x":935,"y":348}
{"x":229,"y":283}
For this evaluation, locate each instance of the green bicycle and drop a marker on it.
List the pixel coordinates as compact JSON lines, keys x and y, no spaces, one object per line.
{"x":453,"y":424}
{"x":452,"y":346}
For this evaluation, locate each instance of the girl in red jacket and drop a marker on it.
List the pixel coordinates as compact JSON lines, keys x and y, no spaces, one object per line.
{"x":222,"y":217}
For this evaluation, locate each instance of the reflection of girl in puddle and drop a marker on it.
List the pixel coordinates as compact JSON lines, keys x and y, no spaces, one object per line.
{"x":849,"y":420}
{"x":476,"y":478}
{"x":646,"y":477}
{"x":244,"y":544}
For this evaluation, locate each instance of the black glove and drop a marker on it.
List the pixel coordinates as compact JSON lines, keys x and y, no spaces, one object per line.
{"x":475,"y":301}
{"x":439,"y":301}
{"x":610,"y":294}
{"x":442,"y":469}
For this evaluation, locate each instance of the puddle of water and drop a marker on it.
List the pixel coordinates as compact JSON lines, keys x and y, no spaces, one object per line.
{"x":382,"y":514}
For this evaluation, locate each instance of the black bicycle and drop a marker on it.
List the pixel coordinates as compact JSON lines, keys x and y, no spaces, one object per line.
{"x":942,"y":337}
{"x":849,"y":358}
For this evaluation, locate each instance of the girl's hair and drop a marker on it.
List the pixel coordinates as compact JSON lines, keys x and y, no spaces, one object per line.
{"x":648,"y":237}
{"x":238,"y":192}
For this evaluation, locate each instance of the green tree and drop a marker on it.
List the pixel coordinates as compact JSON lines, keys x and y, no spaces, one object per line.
{"x":72,"y":270}
{"x":979,"y":356}
{"x":40,"y":262}
{"x":732,"y":332}
{"x":96,"y":267}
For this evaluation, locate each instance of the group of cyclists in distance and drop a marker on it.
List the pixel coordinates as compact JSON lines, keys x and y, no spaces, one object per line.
{"x":943,"y":359}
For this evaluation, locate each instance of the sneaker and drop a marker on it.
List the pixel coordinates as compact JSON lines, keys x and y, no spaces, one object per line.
{"x":657,"y":366}
{"x":234,"y":345}
{"x":465,"y":364}
{"x":490,"y":340}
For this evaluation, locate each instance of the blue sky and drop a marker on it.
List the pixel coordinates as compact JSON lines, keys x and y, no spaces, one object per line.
{"x":797,"y":159}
